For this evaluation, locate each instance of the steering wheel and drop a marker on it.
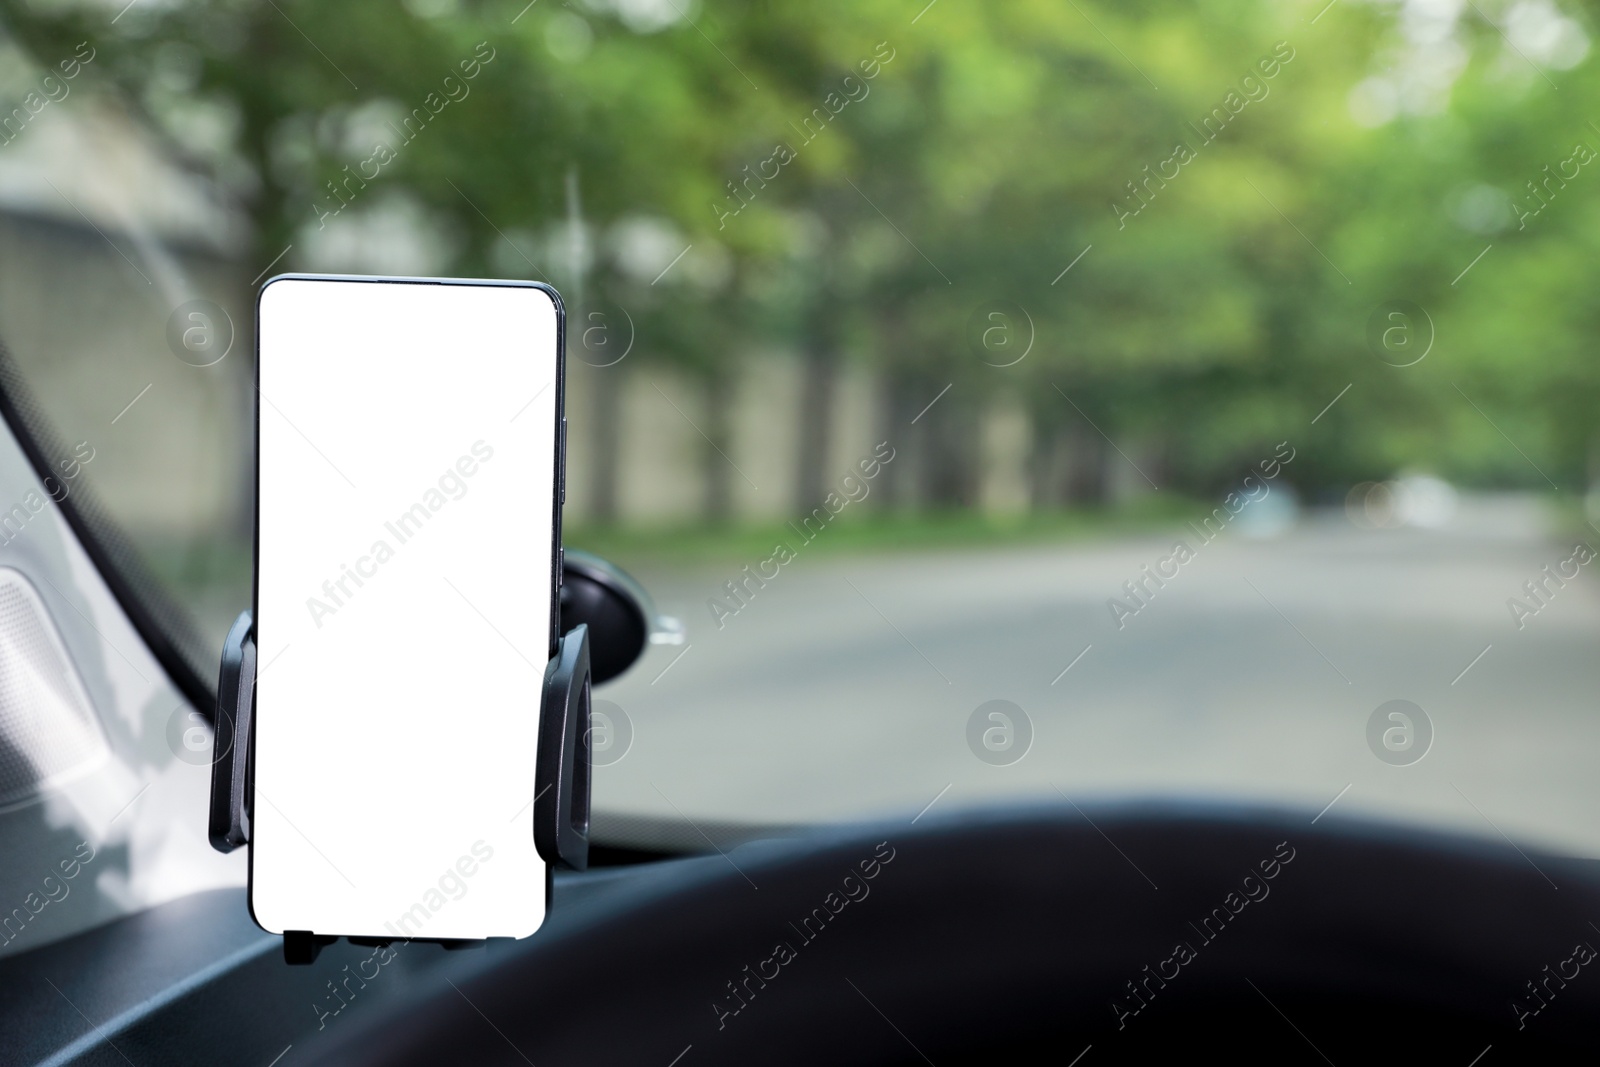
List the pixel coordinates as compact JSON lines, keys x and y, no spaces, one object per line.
{"x":1114,"y":933}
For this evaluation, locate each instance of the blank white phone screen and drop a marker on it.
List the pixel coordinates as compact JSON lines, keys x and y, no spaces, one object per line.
{"x":406,"y":506}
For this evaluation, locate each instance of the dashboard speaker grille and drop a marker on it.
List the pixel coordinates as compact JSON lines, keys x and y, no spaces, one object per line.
{"x":48,"y":730}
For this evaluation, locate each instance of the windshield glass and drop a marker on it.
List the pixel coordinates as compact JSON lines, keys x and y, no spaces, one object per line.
{"x":1009,"y":400}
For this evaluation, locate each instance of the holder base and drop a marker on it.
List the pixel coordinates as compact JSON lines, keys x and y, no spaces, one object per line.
{"x":562,"y":765}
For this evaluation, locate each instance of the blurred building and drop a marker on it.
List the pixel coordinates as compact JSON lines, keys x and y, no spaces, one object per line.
{"x":101,"y":239}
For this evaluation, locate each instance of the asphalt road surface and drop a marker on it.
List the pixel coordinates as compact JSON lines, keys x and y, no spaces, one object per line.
{"x":847,"y":686}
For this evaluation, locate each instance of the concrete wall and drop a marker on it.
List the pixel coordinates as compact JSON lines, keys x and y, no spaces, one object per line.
{"x":86,"y":315}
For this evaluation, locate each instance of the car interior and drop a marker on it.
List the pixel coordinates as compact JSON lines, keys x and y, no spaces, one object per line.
{"x":1078,"y":518}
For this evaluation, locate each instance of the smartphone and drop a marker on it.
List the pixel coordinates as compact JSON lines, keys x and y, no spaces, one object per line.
{"x":409,"y":444}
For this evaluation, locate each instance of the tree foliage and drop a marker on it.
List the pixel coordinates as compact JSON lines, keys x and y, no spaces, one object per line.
{"x":1224,"y":277}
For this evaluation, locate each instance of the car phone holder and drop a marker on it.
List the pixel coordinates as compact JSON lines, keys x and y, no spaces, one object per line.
{"x":562,"y":764}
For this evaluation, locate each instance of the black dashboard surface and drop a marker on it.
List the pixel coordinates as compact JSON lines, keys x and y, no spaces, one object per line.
{"x":1025,"y":934}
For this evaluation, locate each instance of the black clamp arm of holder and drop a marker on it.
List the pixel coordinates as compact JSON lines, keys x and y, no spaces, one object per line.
{"x":233,"y":739}
{"x":562,"y":779}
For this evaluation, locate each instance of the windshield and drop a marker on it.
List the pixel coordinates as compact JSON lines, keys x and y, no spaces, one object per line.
{"x":1008,"y":400}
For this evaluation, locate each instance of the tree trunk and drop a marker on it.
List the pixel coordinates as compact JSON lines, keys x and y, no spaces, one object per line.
{"x":605,"y":444}
{"x":1044,"y":464}
{"x":1086,"y":481}
{"x":717,"y":455}
{"x":818,"y":379}
{"x":897,"y":407}
{"x":950,"y":453}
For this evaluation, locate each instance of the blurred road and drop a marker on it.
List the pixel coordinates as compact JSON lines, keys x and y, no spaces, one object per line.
{"x":846,"y":685}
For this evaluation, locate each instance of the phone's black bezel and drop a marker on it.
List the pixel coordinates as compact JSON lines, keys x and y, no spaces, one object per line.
{"x":558,"y":492}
